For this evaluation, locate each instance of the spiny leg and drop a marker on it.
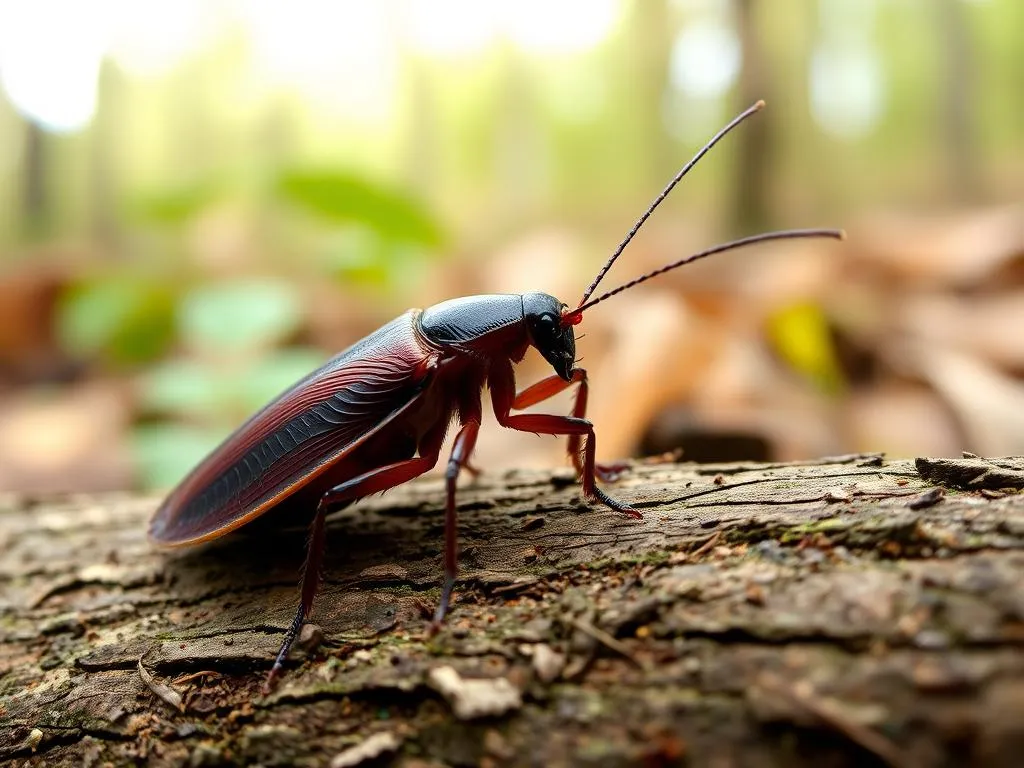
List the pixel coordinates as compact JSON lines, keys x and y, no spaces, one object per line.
{"x":502,"y":381}
{"x":375,"y":481}
{"x":461,"y":451}
{"x":553,"y":385}
{"x":548,"y":388}
{"x":310,"y":584}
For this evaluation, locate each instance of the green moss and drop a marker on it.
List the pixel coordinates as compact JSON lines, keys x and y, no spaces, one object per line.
{"x":658,"y":557}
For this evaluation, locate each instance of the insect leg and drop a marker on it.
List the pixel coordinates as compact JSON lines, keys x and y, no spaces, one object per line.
{"x":377,"y":480}
{"x":502,"y":384}
{"x":380,"y":479}
{"x":550,"y":387}
{"x":310,"y":585}
{"x":461,"y":451}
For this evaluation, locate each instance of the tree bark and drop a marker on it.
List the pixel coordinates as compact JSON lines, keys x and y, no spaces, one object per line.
{"x":835,"y":613}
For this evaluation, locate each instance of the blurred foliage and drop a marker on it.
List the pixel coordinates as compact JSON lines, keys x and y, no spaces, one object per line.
{"x":239,"y":316}
{"x":217,"y":350}
{"x":799,"y":333}
{"x":375,"y":237}
{"x":192,"y":405}
{"x":349,"y":198}
{"x":122,"y":319}
{"x":228,"y":217}
{"x":229,"y":332}
{"x":174,"y":205}
{"x":165,"y":452}
{"x":361,"y":258}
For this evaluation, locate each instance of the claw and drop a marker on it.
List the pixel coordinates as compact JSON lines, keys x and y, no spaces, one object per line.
{"x":602,"y":497}
{"x":271,"y":681}
{"x":442,"y":607}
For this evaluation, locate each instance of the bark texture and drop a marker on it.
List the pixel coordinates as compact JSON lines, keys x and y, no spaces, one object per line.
{"x":852,"y":611}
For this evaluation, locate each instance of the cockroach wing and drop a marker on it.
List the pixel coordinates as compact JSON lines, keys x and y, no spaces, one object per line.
{"x":298,"y":436}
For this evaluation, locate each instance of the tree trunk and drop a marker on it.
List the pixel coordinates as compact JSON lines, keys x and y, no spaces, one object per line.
{"x":847,"y":612}
{"x":754,"y":146}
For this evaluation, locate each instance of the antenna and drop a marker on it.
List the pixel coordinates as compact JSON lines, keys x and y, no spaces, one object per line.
{"x":664,"y":193}
{"x":574,"y":316}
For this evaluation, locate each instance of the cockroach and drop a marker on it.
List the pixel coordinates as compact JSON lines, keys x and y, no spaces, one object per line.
{"x":376,"y":415}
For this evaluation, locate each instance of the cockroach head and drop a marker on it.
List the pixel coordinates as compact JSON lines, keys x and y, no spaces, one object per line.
{"x":549,"y":333}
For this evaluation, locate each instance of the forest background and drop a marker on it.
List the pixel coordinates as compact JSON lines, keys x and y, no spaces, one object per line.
{"x":201,"y":201}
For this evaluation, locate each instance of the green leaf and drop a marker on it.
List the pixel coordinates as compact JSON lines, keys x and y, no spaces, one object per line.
{"x":248,"y":315}
{"x":275,"y":373}
{"x":126,"y":319}
{"x":173,"y":206}
{"x":347,"y":198}
{"x":185,"y":387}
{"x":799,"y":333}
{"x":166,"y":452}
{"x":356,"y":256}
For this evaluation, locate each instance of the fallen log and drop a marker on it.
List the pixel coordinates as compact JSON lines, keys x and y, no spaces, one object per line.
{"x":840,"y":612}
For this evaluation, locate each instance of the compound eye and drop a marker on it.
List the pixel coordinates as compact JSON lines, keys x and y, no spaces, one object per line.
{"x":549,"y":325}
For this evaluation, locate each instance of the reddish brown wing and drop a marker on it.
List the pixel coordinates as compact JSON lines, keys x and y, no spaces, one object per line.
{"x":298,"y":436}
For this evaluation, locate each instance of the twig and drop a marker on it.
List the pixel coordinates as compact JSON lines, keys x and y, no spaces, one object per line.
{"x":707,"y":545}
{"x":609,"y":642}
{"x":202,"y":673}
{"x":165,"y":693}
{"x":829,"y":714}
